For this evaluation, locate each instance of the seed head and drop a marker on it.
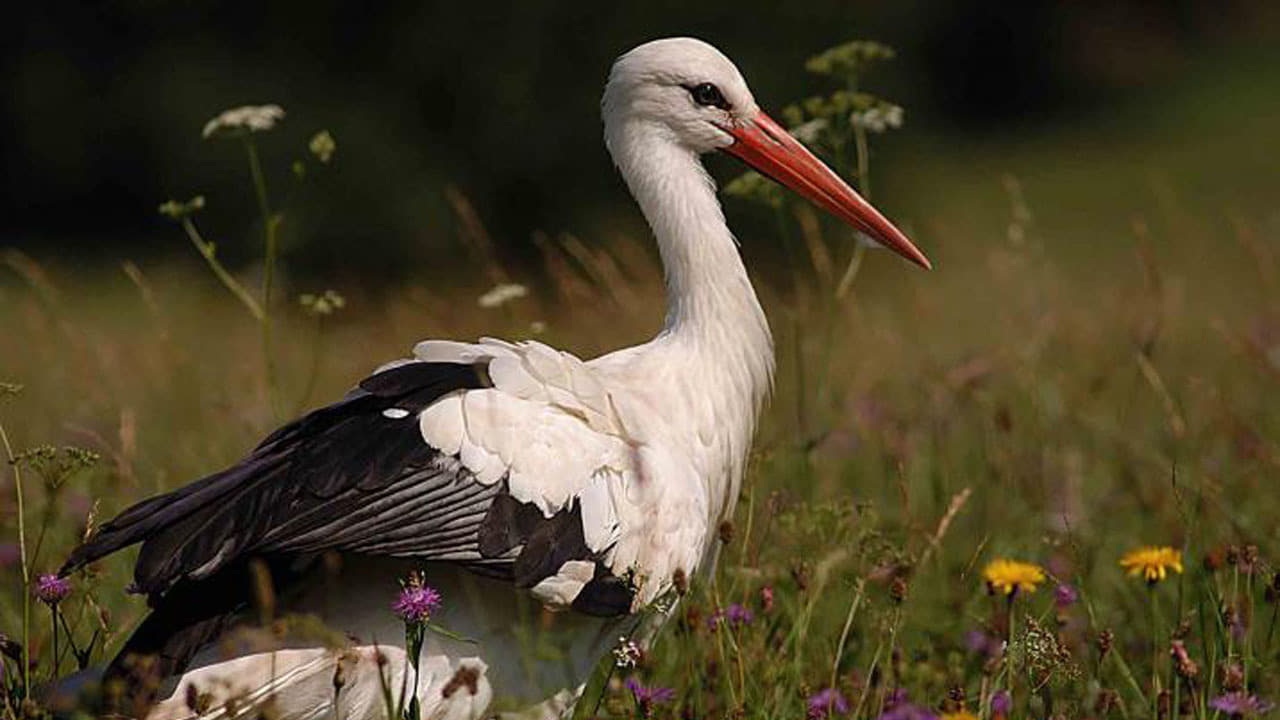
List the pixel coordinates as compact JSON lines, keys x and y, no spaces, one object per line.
{"x":1186,"y":668}
{"x":1105,"y":640}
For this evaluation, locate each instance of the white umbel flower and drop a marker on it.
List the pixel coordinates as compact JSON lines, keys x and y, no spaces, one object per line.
{"x":243,"y":120}
{"x":502,"y":294}
{"x":878,"y":118}
{"x":810,"y":131}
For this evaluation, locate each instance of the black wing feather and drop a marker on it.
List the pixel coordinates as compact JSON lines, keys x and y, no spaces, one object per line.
{"x":311,"y":475}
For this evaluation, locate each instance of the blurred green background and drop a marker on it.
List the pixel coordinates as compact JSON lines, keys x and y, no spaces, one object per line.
{"x":1102,"y":109}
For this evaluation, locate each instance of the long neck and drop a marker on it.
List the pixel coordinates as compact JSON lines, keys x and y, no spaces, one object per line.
{"x":712,"y":310}
{"x":708,"y":290}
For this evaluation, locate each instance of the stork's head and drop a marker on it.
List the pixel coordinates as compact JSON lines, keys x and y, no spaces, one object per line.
{"x":689,"y":94}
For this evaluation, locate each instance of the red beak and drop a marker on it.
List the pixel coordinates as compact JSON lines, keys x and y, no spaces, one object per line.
{"x":768,"y":148}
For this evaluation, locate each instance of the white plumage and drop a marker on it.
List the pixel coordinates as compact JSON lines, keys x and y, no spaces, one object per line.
{"x":579,"y":486}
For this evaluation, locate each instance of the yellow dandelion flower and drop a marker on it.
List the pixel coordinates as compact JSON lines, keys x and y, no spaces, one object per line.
{"x":1010,"y":576}
{"x":958,"y":715}
{"x":1152,"y":563}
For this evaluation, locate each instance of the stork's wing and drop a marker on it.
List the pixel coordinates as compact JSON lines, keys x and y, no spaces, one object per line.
{"x":359,"y":476}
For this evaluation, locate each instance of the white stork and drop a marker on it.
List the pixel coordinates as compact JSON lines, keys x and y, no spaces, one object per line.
{"x":516,"y":476}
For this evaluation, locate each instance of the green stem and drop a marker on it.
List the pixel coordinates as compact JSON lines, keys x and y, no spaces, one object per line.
{"x":1248,"y":630}
{"x":1009,"y":654}
{"x":844,"y":632}
{"x":871,"y":671}
{"x":851,"y":271}
{"x":864,"y":160}
{"x":1155,"y":651}
{"x":53,"y":620}
{"x":269,"y":262}
{"x":26,"y":571}
{"x":313,"y":372}
{"x":1127,"y":674}
{"x":208,"y":251}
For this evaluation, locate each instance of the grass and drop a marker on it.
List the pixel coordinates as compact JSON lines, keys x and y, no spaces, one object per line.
{"x":1025,"y":401}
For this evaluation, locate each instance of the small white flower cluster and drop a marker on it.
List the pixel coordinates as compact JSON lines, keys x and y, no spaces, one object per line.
{"x":175,"y":210}
{"x":326,"y":303}
{"x":241,"y":121}
{"x":323,"y":146}
{"x":878,"y":118}
{"x":626,"y":654}
{"x":502,"y":294}
{"x":809,"y":132}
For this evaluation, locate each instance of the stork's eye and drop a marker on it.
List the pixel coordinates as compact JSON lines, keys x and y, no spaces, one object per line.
{"x":709,"y":95}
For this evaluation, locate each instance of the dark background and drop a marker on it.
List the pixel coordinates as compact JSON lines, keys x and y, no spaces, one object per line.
{"x":101,"y":105}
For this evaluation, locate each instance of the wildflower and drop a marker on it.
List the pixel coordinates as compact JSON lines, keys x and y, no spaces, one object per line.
{"x":417,"y":600}
{"x":1153,"y":563}
{"x":326,"y":303}
{"x":766,"y":598}
{"x":175,"y":210}
{"x":51,"y":589}
{"x":755,"y":187}
{"x":983,"y":644}
{"x":1001,"y":704}
{"x":1241,"y":705}
{"x":501,"y":295}
{"x":241,"y":121}
{"x":1010,"y":576}
{"x":725,"y":532}
{"x":647,"y":697}
{"x":809,"y":132}
{"x":878,"y":118}
{"x":1186,"y":668}
{"x":626,"y":654}
{"x":1249,"y":559}
{"x":1214,"y":559}
{"x":827,"y":702}
{"x":849,"y":59}
{"x":735,"y":616}
{"x":1105,"y":640}
{"x":1233,"y":678}
{"x":1064,"y":596}
{"x":680,"y":581}
{"x":898,"y":589}
{"x":322,"y":146}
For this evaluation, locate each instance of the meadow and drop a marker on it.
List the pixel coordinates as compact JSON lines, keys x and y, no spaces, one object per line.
{"x":1092,"y":369}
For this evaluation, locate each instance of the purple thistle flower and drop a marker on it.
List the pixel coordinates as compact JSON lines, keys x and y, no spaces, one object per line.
{"x":647,"y":697}
{"x":827,"y":702}
{"x":1241,"y":704}
{"x":1065,"y":596}
{"x":896,"y":697}
{"x":51,"y":589}
{"x":1001,"y":703}
{"x":766,"y":598}
{"x":417,"y":601}
{"x":908,"y":711}
{"x":736,"y":615}
{"x":983,"y":644}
